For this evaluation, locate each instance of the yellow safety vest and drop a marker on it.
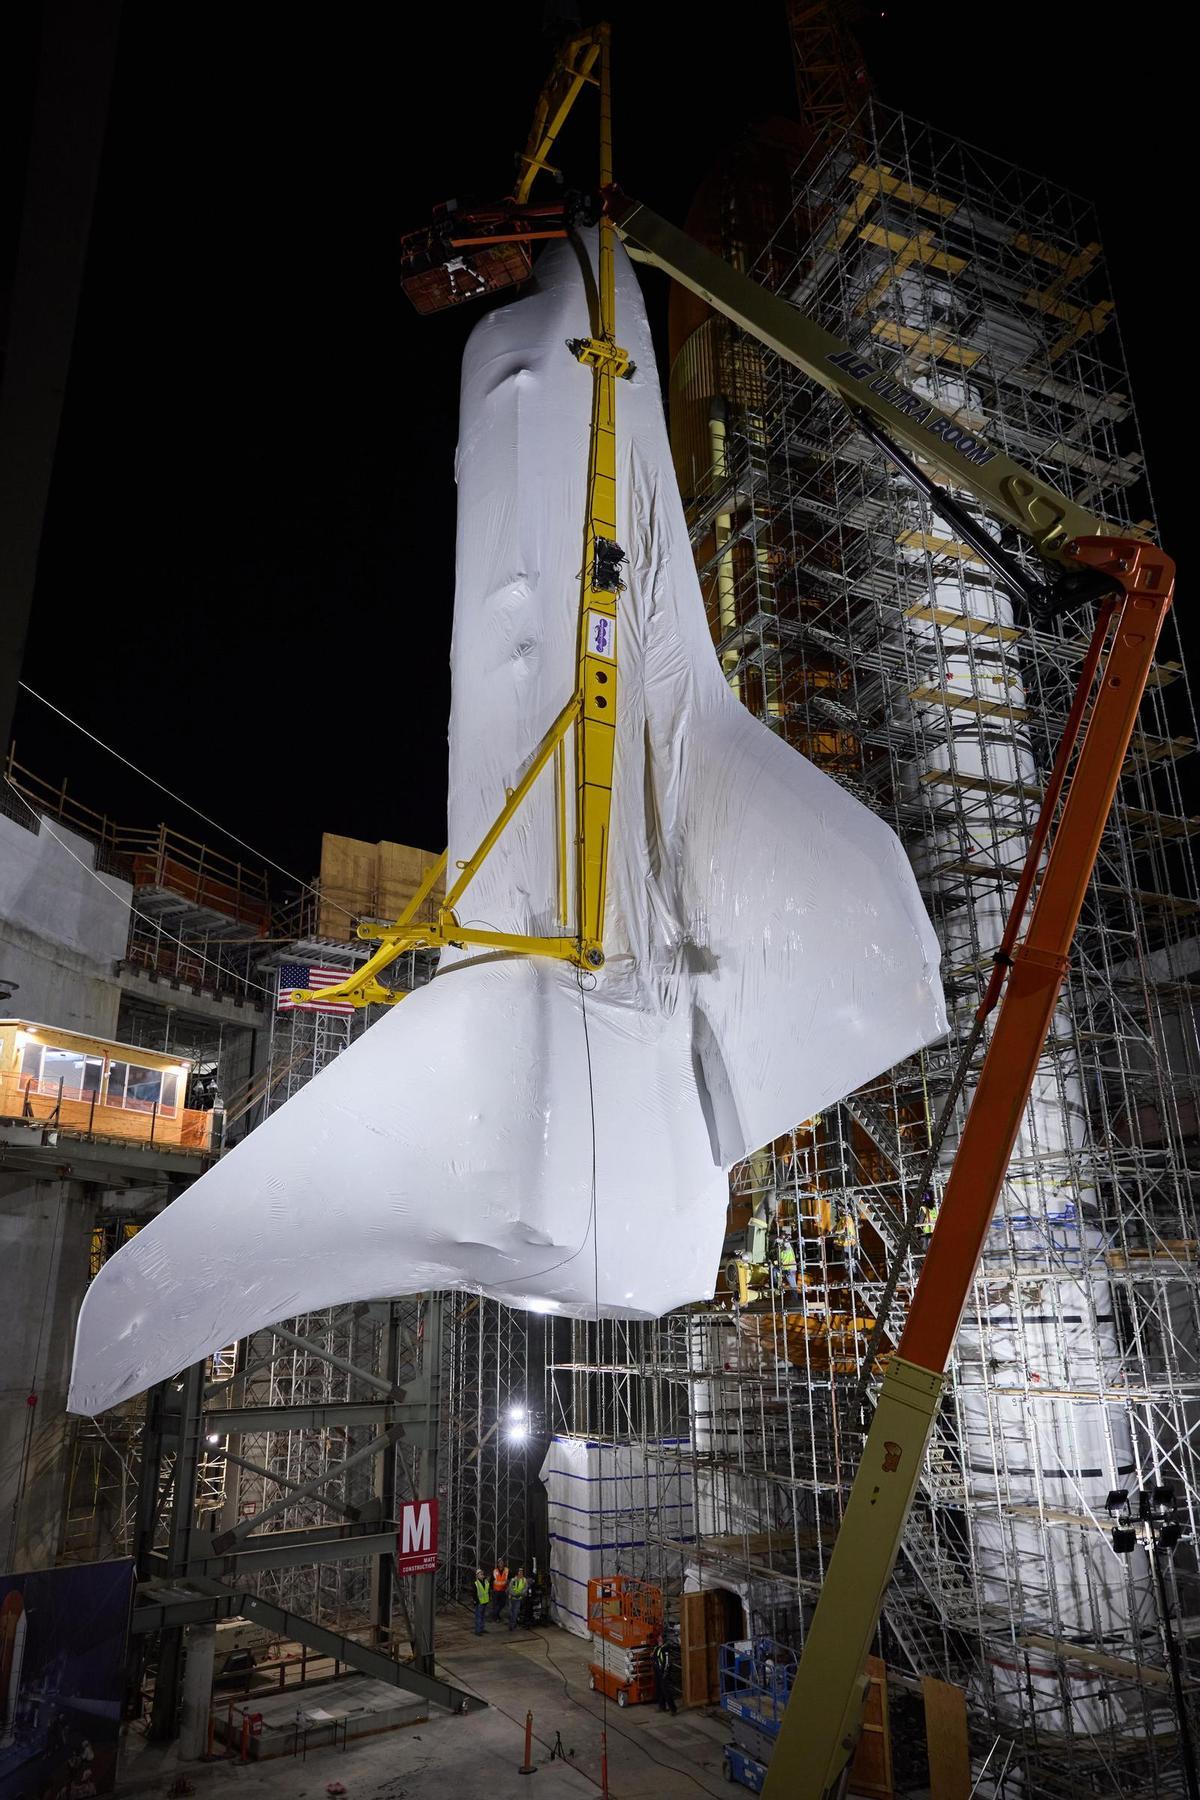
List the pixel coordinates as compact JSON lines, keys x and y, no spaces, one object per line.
{"x":483,"y":1592}
{"x":519,"y":1584}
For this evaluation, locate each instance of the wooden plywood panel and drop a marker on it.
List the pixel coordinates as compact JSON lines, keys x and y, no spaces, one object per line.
{"x":871,"y":1771}
{"x":347,"y":883}
{"x":717,"y":1632}
{"x":370,"y":881}
{"x":693,"y":1648}
{"x":706,"y":1621}
{"x":946,"y":1737}
{"x":402,"y":868}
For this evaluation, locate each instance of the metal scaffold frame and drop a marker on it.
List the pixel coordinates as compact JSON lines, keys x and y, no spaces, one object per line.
{"x":315,"y":1474}
{"x":492,"y":1381}
{"x":851,"y":622}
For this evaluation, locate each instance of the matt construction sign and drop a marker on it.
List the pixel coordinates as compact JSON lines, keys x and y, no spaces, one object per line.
{"x":417,"y":1538}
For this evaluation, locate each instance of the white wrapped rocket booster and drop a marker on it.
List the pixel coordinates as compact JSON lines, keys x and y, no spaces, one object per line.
{"x":767,"y":950}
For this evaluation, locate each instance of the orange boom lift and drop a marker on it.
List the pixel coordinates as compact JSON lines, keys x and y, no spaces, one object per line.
{"x":470,"y":250}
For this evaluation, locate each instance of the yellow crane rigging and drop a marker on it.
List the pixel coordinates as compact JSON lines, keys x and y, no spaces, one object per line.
{"x":588,"y":719}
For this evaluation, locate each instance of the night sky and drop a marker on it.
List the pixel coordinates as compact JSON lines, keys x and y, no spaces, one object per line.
{"x":247,"y":570}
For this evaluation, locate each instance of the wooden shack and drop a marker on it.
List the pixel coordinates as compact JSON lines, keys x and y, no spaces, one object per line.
{"x":66,"y":1080}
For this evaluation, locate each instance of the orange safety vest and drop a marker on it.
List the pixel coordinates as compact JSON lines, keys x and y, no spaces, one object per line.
{"x":499,"y":1580}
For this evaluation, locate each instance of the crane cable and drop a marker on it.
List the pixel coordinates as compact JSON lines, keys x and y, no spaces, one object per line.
{"x":179,"y":800}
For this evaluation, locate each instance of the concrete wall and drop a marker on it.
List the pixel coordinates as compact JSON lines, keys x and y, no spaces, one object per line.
{"x":62,"y":931}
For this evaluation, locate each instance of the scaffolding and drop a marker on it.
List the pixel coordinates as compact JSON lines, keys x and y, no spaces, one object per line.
{"x":851,"y":622}
{"x":332,"y":1358}
{"x":492,"y":1384}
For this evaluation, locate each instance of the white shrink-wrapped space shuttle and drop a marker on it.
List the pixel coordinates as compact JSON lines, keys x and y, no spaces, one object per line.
{"x":561,"y":1141}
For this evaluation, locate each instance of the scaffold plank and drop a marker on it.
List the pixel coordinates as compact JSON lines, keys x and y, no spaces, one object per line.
{"x":1161,"y":675}
{"x":1149,"y":901}
{"x":1167,"y":825}
{"x":979,"y":871}
{"x":1071,"y":263}
{"x":938,"y":546}
{"x":1160,"y":750}
{"x":950,"y":620}
{"x":1096,"y":1659}
{"x":981,"y":784}
{"x":1171,"y":1251}
{"x":969,"y":703}
{"x":880,"y":180}
{"x":924,"y":343}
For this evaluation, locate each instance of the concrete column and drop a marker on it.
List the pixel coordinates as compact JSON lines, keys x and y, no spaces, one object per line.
{"x":200,"y":1645}
{"x":44,"y":1238}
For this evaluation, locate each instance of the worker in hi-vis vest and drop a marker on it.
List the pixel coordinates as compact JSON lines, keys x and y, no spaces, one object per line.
{"x":499,"y":1587}
{"x":785,"y":1255}
{"x":663,"y":1691}
{"x":483,"y":1594}
{"x":518,"y":1587}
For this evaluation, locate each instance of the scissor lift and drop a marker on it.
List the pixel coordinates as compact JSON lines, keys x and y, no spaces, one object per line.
{"x":626,"y":1617}
{"x":755,"y":1681}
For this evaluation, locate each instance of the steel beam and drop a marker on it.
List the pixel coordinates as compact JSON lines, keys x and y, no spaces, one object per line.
{"x":285,"y":1482}
{"x":172,"y":1609}
{"x":270,"y":1555}
{"x":169,"y":1673}
{"x":338,"y":1362}
{"x":229,"y":1540}
{"x":313,"y":1534}
{"x":344,"y":1649}
{"x":255,"y":1368}
{"x":251,"y":1419}
{"x":430,"y":1353}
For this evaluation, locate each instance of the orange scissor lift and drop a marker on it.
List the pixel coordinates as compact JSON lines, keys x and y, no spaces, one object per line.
{"x":626,"y":1619}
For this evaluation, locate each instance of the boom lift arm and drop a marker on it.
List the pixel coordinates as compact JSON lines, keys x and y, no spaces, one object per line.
{"x":1134,"y":583}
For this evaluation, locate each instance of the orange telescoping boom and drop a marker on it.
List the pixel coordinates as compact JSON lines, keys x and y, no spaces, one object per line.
{"x":821,"y":1725}
{"x":1131,"y":583}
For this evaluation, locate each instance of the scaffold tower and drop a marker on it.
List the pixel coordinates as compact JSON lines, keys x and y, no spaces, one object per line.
{"x":851,"y":622}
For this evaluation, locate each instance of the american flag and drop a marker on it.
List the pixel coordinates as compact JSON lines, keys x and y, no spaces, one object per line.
{"x":295,"y":977}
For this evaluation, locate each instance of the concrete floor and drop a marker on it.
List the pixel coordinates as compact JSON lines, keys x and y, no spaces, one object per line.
{"x":651,"y":1756}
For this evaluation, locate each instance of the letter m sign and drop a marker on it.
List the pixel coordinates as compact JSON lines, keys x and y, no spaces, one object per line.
{"x":417,"y":1538}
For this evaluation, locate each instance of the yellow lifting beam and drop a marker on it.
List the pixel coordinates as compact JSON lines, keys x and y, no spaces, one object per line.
{"x":589,"y":717}
{"x":602,"y":558}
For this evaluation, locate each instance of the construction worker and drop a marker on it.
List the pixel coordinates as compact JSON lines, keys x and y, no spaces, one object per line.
{"x":518,"y":1587}
{"x":483,"y":1593}
{"x":785,"y":1256}
{"x":927,"y":1214}
{"x":499,"y":1587}
{"x":662,"y":1676}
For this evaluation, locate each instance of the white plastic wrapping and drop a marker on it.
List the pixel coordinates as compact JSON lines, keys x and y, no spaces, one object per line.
{"x":598,"y":1499}
{"x":767,"y":947}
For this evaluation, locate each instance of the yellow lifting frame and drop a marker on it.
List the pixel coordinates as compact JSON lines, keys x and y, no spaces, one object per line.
{"x":571,"y":73}
{"x":592,"y":709}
